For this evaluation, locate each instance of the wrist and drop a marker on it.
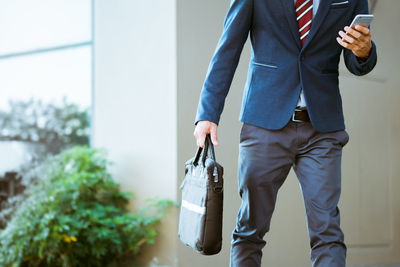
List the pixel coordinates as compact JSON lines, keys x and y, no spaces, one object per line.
{"x":364,"y":57}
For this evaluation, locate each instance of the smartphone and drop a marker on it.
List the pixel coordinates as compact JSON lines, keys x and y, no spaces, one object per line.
{"x":362,"y":19}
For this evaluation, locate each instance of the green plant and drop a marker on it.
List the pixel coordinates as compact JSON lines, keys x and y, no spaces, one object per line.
{"x":75,"y":215}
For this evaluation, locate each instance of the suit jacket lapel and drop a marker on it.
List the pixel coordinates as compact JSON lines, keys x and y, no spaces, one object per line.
{"x":324,"y":6}
{"x":288,"y":7}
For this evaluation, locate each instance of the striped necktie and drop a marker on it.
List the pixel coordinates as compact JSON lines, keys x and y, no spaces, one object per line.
{"x":304,"y":15}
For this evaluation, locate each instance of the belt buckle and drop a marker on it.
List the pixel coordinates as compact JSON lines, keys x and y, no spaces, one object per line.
{"x":294,"y":114}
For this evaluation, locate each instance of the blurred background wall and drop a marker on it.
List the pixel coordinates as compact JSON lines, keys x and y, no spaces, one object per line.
{"x":135,"y":115}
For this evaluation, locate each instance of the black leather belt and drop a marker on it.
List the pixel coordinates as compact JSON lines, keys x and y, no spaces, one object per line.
{"x":300,"y":115}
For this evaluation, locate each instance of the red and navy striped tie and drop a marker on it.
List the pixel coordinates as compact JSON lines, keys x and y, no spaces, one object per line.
{"x":304,"y":15}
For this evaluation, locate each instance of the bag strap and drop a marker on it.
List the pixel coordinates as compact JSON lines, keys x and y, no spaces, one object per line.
{"x":211,"y":146}
{"x":208,"y":145}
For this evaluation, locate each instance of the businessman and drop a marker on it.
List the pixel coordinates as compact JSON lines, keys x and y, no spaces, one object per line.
{"x":291,"y":112}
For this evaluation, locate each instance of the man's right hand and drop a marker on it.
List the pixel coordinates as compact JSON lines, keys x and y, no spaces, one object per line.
{"x":202,"y":129}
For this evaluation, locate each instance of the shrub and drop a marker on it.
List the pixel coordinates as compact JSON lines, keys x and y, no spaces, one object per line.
{"x":75,"y":215}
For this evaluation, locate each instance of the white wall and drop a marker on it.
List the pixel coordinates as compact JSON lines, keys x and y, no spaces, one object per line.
{"x":135,"y":115}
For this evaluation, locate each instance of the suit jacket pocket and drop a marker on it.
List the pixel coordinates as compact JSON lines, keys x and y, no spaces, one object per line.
{"x":340,"y":4}
{"x":273,"y":66}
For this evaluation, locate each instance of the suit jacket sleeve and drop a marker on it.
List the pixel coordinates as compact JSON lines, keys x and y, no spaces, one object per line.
{"x":223,"y":64}
{"x":353,"y":64}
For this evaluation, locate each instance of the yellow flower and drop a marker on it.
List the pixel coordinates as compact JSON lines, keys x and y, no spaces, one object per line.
{"x":68,"y":239}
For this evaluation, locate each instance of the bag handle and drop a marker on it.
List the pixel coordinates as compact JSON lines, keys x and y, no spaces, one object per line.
{"x":208,"y":145}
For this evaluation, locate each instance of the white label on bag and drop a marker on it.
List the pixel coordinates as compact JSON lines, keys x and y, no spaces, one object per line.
{"x":193,"y":207}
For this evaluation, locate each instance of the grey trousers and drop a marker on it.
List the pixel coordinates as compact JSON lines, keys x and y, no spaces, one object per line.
{"x":265,"y":159}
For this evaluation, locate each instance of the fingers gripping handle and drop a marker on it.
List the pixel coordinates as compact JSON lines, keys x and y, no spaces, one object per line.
{"x":208,"y":145}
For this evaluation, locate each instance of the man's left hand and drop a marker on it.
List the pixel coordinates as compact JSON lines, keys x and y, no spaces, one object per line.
{"x":357,"y":40}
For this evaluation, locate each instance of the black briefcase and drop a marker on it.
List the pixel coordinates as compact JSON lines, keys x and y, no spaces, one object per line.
{"x":200,"y":219}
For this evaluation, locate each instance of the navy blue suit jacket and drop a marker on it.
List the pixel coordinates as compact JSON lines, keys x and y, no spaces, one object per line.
{"x":280,"y":66}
